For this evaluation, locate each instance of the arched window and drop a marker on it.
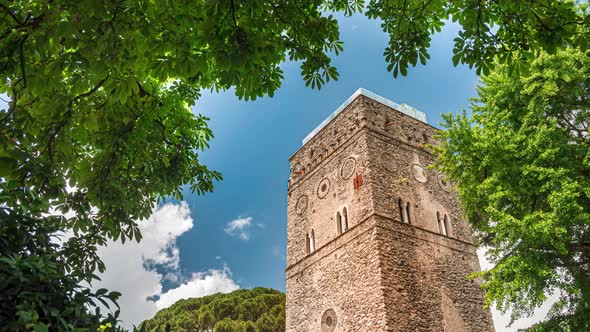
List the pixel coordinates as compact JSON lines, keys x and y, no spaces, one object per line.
{"x":312,"y":242}
{"x":408,"y":213}
{"x":342,"y":221}
{"x":443,"y":224}
{"x":402,"y":213}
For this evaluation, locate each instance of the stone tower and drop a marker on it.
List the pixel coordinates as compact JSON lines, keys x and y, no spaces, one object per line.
{"x":375,"y":238}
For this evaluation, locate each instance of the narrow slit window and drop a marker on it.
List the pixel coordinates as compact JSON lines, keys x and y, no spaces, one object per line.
{"x":312,"y":242}
{"x":344,"y":220}
{"x":401,"y":210}
{"x":439,"y":222}
{"x":339,"y":222}
{"x":408,"y":214}
{"x":307,"y":244}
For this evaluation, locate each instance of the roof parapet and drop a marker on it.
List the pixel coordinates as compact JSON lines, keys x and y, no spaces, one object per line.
{"x":404,"y":108}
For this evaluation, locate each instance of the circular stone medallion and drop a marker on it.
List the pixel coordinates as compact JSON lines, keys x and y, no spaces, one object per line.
{"x":329,"y":321}
{"x":301,"y":204}
{"x":444,"y":183}
{"x":323,"y":188}
{"x":419,"y":173}
{"x":348,"y":168}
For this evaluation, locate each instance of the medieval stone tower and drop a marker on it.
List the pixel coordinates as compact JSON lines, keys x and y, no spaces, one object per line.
{"x":375,"y":238}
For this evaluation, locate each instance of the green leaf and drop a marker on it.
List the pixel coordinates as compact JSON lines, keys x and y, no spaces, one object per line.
{"x":8,"y":166}
{"x":101,"y":291}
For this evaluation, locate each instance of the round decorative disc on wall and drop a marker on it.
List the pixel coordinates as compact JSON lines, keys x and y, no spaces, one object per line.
{"x":301,"y":204}
{"x":323,"y":188}
{"x":329,"y":321}
{"x":419,"y":173}
{"x":387,"y":161}
{"x":444,"y":183}
{"x":348,"y":168}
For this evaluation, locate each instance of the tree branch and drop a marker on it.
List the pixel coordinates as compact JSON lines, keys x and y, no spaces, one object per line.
{"x":233,"y":12}
{"x":91,"y":91}
{"x":11,"y":14}
{"x":49,"y":146}
{"x":22,"y":60}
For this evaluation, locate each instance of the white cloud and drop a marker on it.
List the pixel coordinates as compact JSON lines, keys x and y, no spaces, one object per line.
{"x":240,"y":227}
{"x":131,"y":267}
{"x":501,"y":321}
{"x":201,"y":284}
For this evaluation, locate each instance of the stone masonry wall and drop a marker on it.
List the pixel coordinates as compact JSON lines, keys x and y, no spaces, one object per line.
{"x":425,"y":283}
{"x":315,"y":197}
{"x":340,"y":276}
{"x":331,"y":138}
{"x":402,"y":171}
{"x":381,"y":274}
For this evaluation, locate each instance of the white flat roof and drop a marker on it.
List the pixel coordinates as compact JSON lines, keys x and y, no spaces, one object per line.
{"x":404,"y":108}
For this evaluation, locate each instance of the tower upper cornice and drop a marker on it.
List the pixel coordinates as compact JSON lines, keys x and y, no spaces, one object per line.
{"x":404,"y":108}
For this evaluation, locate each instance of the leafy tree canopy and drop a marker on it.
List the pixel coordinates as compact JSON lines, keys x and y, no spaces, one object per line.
{"x":255,"y":310}
{"x":522,"y":165}
{"x":514,"y":32}
{"x":99,"y":125}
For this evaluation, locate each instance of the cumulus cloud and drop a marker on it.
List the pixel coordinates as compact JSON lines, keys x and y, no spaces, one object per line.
{"x":240,"y":227}
{"x":138,"y":269}
{"x":200,"y":284}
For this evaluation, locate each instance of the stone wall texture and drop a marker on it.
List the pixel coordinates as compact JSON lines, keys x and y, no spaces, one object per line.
{"x":381,"y":274}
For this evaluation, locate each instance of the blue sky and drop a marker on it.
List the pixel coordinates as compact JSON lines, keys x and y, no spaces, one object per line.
{"x":253,"y":141}
{"x":192,"y":248}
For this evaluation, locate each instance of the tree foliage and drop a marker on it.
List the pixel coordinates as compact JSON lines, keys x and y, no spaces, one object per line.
{"x":33,"y":286}
{"x":522,"y":167}
{"x":255,"y":310}
{"x":514,"y":32}
{"x":99,"y":126}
